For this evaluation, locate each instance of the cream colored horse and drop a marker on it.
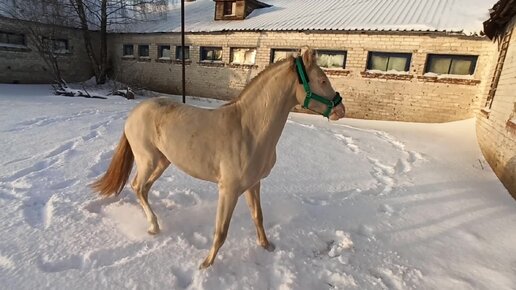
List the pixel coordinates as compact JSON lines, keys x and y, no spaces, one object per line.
{"x":233,"y":146}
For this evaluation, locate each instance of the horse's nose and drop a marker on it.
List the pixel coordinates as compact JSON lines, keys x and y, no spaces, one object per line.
{"x":338,"y":112}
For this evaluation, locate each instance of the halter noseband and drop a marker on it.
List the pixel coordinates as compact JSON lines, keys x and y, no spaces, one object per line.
{"x":303,"y":79}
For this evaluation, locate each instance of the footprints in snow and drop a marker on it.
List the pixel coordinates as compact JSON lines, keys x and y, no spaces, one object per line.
{"x":348,"y":141}
{"x":49,"y":120}
{"x":177,"y":198}
{"x":39,"y":184}
{"x":350,"y":251}
{"x":103,"y":258}
{"x":386,"y":175}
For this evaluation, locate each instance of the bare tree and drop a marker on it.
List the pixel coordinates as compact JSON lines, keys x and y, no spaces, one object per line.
{"x":27,"y":16}
{"x":93,"y":17}
{"x":101,"y":15}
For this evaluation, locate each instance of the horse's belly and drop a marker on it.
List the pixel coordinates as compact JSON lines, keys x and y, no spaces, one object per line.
{"x":192,"y":160}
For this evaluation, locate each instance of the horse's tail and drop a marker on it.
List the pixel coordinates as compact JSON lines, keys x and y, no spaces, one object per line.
{"x":118,"y":172}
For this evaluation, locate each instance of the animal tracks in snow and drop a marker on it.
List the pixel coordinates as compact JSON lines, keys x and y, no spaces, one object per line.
{"x":101,"y":258}
{"x":386,"y":173}
{"x":348,"y":141}
{"x":346,"y":252}
{"x":177,"y":198}
{"x":49,"y":120}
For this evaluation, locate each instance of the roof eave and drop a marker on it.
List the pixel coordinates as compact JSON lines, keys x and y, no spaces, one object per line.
{"x":500,"y":15}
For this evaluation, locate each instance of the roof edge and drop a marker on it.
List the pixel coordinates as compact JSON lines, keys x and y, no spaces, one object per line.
{"x":500,"y":16}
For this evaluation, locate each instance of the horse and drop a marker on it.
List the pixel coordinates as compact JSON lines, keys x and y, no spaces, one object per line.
{"x":233,"y":145}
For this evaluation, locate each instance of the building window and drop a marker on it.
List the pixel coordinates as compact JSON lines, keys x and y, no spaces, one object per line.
{"x":331,"y":59}
{"x":186,"y":50}
{"x":164,"y":52}
{"x":12,"y":38}
{"x":243,"y":56}
{"x":451,"y":64}
{"x":211,"y":54}
{"x":128,"y":50}
{"x":388,"y":61}
{"x":143,"y":50}
{"x":55,"y":45}
{"x":279,"y":54}
{"x":229,"y":8}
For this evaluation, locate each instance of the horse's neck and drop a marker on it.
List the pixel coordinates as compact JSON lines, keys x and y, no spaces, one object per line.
{"x":265,"y":107}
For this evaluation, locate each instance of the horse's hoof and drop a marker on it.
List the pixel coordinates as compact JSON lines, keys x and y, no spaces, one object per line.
{"x":204,"y":265}
{"x":153,"y":231}
{"x":270,"y":247}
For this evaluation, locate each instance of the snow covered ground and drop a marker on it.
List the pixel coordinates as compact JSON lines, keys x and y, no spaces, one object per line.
{"x":351,"y":204}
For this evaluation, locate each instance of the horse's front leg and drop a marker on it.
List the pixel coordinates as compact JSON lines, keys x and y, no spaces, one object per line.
{"x":228,"y":197}
{"x":252,"y":196}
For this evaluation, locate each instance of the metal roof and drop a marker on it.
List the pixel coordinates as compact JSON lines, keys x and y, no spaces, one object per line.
{"x":452,"y":16}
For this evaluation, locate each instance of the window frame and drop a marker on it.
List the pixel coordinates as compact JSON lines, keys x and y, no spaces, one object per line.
{"x":24,"y":38}
{"x":408,"y":55}
{"x":472,"y":69}
{"x":201,"y":50}
{"x":53,"y":44}
{"x":160,"y":51}
{"x":334,"y":52}
{"x":274,"y":50}
{"x":127,"y":45}
{"x":178,"y":49}
{"x":231,"y":5}
{"x":140,"y":51}
{"x":232,"y":49}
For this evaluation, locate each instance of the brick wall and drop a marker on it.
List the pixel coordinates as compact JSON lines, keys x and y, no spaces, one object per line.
{"x":496,"y":132}
{"x":412,"y":97}
{"x":25,"y":65}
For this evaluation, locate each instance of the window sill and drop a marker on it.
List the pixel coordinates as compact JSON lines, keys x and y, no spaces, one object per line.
{"x":178,"y":61}
{"x":336,"y":72}
{"x":164,"y":60}
{"x":144,"y":59}
{"x":128,"y":57}
{"x":243,"y":66}
{"x":212,"y":64}
{"x":63,"y":52}
{"x":386,"y":76}
{"x":230,"y":17}
{"x":456,"y":81}
{"x":14,"y":47}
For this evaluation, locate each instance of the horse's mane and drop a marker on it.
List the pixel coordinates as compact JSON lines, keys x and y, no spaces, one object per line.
{"x":259,"y":77}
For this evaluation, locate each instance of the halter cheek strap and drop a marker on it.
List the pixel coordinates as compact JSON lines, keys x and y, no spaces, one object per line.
{"x":310,"y":96}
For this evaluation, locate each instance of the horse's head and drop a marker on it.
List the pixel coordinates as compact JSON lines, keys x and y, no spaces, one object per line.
{"x":314,"y":91}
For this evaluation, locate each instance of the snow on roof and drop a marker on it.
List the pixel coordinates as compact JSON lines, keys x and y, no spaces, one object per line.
{"x":453,"y":16}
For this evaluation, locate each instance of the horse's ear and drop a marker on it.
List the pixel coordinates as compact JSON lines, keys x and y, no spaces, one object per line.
{"x":308,"y":56}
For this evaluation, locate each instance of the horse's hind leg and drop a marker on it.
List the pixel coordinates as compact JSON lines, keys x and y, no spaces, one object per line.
{"x":149,"y":167}
{"x":252,"y":196}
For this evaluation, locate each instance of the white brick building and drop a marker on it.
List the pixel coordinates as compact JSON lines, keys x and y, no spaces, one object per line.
{"x":403,"y":60}
{"x":409,"y":60}
{"x":496,"y":123}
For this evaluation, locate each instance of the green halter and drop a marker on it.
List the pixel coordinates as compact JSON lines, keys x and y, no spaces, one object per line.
{"x":303,"y":79}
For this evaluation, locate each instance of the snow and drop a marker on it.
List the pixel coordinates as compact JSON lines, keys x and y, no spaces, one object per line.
{"x":352,"y":204}
{"x":455,"y":16}
{"x":12,"y":45}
